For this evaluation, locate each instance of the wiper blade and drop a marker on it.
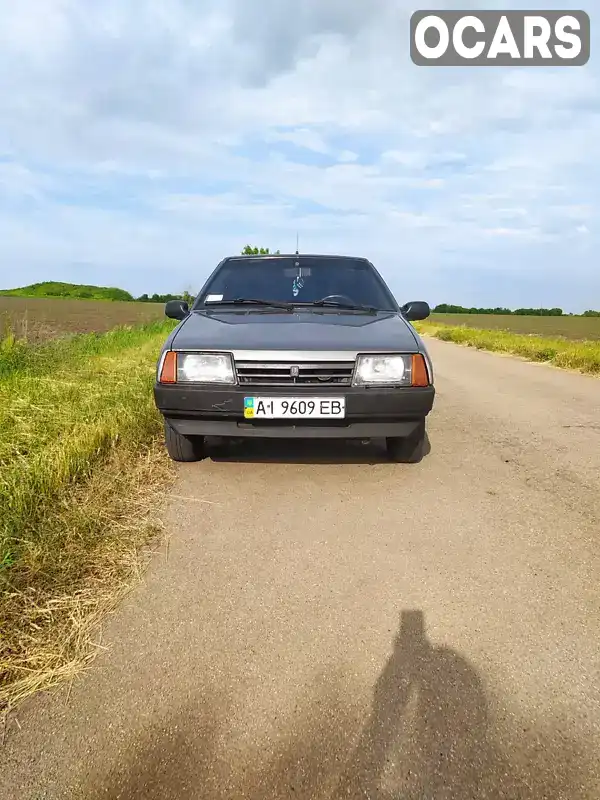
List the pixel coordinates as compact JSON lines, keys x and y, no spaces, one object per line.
{"x":253,"y":301}
{"x":338,"y":304}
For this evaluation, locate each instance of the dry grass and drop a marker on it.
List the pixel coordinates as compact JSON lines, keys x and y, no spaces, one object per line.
{"x":37,"y":319}
{"x":81,"y":470}
{"x":583,"y":356}
{"x":49,"y":625}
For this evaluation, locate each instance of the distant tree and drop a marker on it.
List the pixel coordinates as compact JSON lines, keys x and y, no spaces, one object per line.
{"x":257,"y":251}
{"x":539,"y":312}
{"x":591,"y":313}
{"x":164,"y":298}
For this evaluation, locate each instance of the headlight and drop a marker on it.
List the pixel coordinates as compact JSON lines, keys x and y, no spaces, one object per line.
{"x":204,"y":368}
{"x":383,"y":369}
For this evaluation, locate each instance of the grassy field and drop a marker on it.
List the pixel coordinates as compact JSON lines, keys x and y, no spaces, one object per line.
{"x":72,"y":290}
{"x":582,"y":355}
{"x":553,"y":327}
{"x":38,"y":319}
{"x":81,"y":469}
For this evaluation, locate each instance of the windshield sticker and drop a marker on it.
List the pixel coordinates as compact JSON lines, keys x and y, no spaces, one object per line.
{"x":297,"y":285}
{"x":214,"y":298}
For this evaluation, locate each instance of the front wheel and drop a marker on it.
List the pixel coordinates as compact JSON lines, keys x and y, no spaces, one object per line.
{"x":407,"y":449}
{"x":183,"y":448}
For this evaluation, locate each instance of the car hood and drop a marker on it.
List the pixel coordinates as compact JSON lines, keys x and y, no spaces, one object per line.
{"x":301,"y":330}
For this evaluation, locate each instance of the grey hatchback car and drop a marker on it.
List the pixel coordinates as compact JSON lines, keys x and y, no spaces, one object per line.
{"x":295,"y":346}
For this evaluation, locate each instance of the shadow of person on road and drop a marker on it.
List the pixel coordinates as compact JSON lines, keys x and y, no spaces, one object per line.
{"x":303,"y":451}
{"x":427,"y":737}
{"x":427,"y":732}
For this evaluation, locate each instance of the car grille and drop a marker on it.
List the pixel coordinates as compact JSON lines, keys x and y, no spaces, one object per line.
{"x":317,"y":373}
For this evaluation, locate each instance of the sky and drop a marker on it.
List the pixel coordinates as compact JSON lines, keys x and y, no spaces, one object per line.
{"x":142,"y":141}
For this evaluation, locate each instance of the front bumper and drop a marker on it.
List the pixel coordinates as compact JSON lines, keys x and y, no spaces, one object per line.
{"x":370,"y":413}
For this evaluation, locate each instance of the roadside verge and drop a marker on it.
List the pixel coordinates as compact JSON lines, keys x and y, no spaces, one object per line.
{"x":82,"y":474}
{"x":583,"y":356}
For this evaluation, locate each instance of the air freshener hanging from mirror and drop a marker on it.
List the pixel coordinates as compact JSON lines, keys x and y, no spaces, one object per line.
{"x":297,"y":285}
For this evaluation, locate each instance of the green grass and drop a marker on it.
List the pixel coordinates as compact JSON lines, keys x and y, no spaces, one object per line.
{"x":73,"y":290}
{"x":60,"y":409}
{"x":18,"y":357}
{"x":578,"y":328}
{"x":78,"y":452}
{"x":583,"y":356}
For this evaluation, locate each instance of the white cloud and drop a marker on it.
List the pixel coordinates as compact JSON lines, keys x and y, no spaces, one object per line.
{"x":142,"y":140}
{"x":302,"y":137}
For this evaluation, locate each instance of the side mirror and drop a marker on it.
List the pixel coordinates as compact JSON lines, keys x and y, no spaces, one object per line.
{"x":177,"y":309}
{"x":416,"y":311}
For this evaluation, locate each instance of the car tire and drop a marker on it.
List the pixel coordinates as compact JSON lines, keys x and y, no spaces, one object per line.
{"x":407,"y":449}
{"x":183,"y":448}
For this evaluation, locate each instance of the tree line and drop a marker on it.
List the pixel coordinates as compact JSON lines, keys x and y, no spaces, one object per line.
{"x":446,"y":308}
{"x":164,"y":298}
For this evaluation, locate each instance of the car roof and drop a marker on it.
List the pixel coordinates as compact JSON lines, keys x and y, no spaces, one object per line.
{"x":266,"y":256}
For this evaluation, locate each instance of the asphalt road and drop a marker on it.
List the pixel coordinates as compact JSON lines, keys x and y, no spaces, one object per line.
{"x":328,"y":625}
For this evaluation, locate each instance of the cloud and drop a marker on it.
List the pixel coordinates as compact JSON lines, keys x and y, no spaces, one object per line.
{"x":143,"y":140}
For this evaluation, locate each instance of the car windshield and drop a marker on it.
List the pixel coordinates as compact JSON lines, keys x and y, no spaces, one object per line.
{"x":298,"y":280}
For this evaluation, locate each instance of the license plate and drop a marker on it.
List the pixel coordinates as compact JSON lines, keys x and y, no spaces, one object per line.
{"x":294,"y":407}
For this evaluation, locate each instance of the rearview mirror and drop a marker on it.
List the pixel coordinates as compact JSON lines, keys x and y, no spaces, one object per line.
{"x":177,"y":309}
{"x":415,"y":311}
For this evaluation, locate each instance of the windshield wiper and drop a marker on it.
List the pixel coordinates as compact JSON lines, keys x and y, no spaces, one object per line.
{"x":252,"y":301}
{"x":338,"y":304}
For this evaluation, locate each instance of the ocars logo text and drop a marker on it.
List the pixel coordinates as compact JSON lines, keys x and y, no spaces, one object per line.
{"x":500,"y":38}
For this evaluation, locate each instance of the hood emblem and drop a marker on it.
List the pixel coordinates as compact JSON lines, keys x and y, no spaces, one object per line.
{"x":294,"y":371}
